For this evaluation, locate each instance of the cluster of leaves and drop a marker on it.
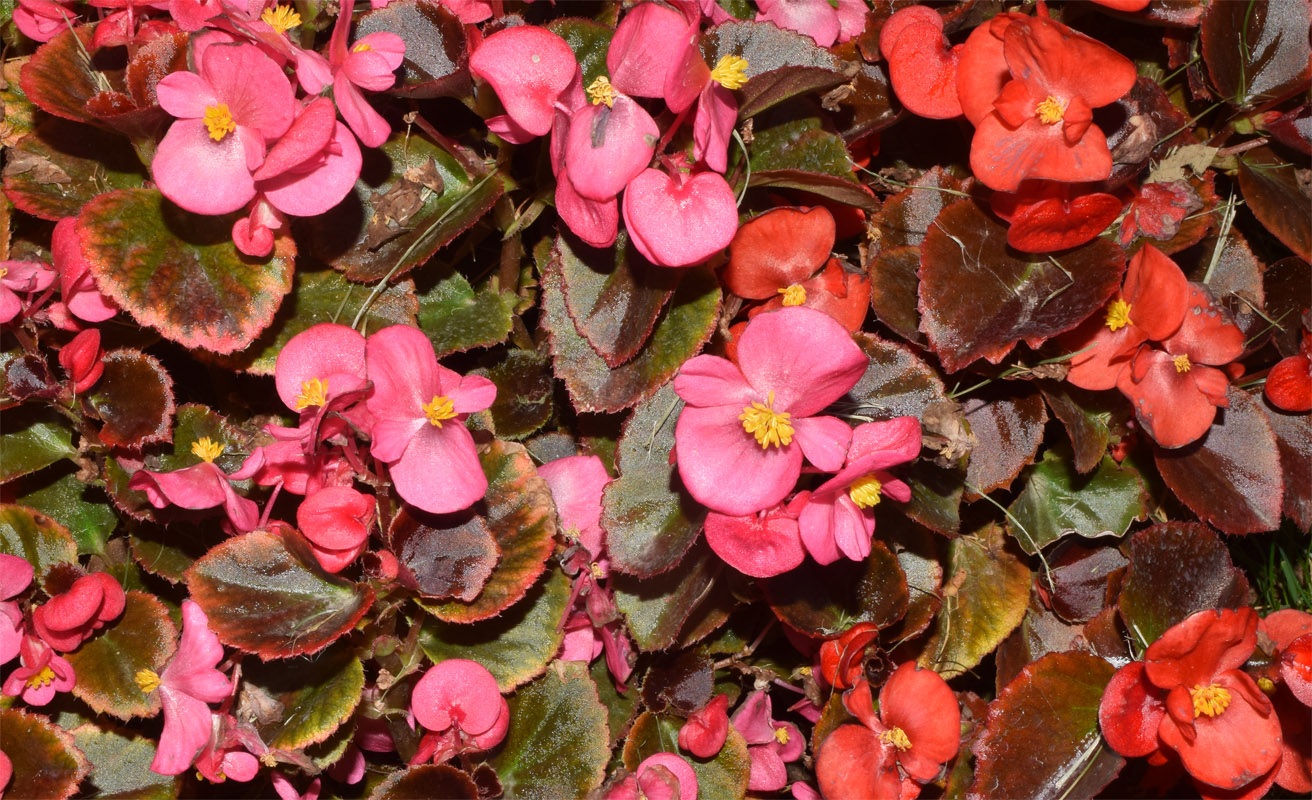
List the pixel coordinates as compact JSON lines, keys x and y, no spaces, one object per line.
{"x":1049,"y":536}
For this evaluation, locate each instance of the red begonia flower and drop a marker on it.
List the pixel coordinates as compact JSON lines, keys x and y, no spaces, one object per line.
{"x":70,"y":618}
{"x":1290,"y":632}
{"x":81,"y":359}
{"x":77,"y":288}
{"x":921,"y":65}
{"x":1157,"y":211}
{"x":1123,"y":5}
{"x":1296,"y":668}
{"x":1046,"y":216}
{"x":202,"y":486}
{"x":706,"y":729}
{"x":841,"y":660}
{"x":21,"y":276}
{"x":761,"y":545}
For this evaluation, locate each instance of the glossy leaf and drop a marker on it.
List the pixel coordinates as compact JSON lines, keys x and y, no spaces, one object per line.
{"x":1176,"y":568}
{"x":1294,"y":440}
{"x":267,"y":594}
{"x":649,"y":518}
{"x":458,"y":318}
{"x":169,"y":553}
{"x":1040,"y":633}
{"x":1079,"y":579}
{"x":59,"y":79}
{"x":556,"y":745}
{"x":1084,"y":415}
{"x":894,"y":284}
{"x":75,"y":504}
{"x":978,"y":298}
{"x":724,"y":776}
{"x":107,"y":664}
{"x":905,"y":218}
{"x":33,"y":438}
{"x":1041,"y":736}
{"x":57,"y":168}
{"x":683,"y":327}
{"x":824,"y":601}
{"x":525,"y":390}
{"x":1232,"y":477}
{"x":179,"y":272}
{"x":801,"y":154}
{"x":935,"y":496}
{"x":35,"y":537}
{"x":1272,"y":190}
{"x":522,"y":518}
{"x":1007,"y":433}
{"x":1258,"y":50}
{"x":657,"y":608}
{"x":436,"y":49}
{"x":134,"y":398}
{"x":768,"y":89}
{"x":516,"y":646}
{"x":1057,"y":502}
{"x":317,"y":697}
{"x":896,"y":384}
{"x":870,"y":105}
{"x":426,"y":782}
{"x":443,"y":555}
{"x":120,"y":764}
{"x":984,"y":599}
{"x":46,"y":762}
{"x":1287,"y":285}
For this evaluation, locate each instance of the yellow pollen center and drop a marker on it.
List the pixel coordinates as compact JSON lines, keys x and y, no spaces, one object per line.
{"x":781,"y":735}
{"x":42,"y":678}
{"x":268,"y":760}
{"x":281,"y":18}
{"x":438,"y":409}
{"x":794,"y":295}
{"x":219,"y":121}
{"x":361,"y":47}
{"x":595,"y":569}
{"x":1050,"y":111}
{"x":896,"y":737}
{"x":865,"y":491}
{"x":1267,"y":686}
{"x":804,"y":671}
{"x":147,"y":680}
{"x":770,"y":427}
{"x":1209,"y":700}
{"x":206,"y":449}
{"x":1182,"y":363}
{"x":730,"y":72}
{"x":1118,"y":315}
{"x":600,"y":91}
{"x":314,"y":392}
{"x":4,"y":271}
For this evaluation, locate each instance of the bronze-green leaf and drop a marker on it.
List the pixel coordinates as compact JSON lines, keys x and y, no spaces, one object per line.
{"x":457,"y":318}
{"x":134,"y":398}
{"x":35,"y":537}
{"x":317,"y":696}
{"x":46,"y":762}
{"x":57,"y":168}
{"x":525,"y":390}
{"x":657,"y":608}
{"x":107,"y":664}
{"x":824,"y":601}
{"x":1056,"y":501}
{"x":77,"y":505}
{"x":436,"y":49}
{"x":426,"y":782}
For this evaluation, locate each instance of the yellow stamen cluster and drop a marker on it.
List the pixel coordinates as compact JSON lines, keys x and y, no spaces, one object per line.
{"x":1209,"y":700}
{"x":147,"y":680}
{"x":41,"y":678}
{"x":600,"y":91}
{"x":1050,"y":110}
{"x":361,"y":47}
{"x":314,"y":392}
{"x":781,"y":735}
{"x":896,"y":737}
{"x":281,"y":18}
{"x":218,"y":119}
{"x":770,"y":427}
{"x":1118,"y":315}
{"x":730,"y":72}
{"x":865,"y":491}
{"x":206,"y":449}
{"x":4,"y":271}
{"x":595,"y":569}
{"x":1182,"y":363}
{"x":439,"y":409}
{"x":794,"y":295}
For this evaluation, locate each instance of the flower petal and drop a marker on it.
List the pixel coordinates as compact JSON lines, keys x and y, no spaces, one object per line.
{"x":440,"y":471}
{"x":755,"y":545}
{"x":725,"y":469}
{"x":806,"y":358}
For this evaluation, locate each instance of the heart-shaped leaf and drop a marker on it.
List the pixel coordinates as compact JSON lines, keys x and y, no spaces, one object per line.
{"x":725,"y":775}
{"x":824,"y":601}
{"x":1177,"y":568}
{"x":34,"y":437}
{"x":35,"y":537}
{"x":436,"y":49}
{"x":442,"y":556}
{"x":426,"y":782}
{"x":1231,"y":477}
{"x":984,"y":600}
{"x":1057,"y":502}
{"x":46,"y":763}
{"x":59,"y":79}
{"x":1294,"y":439}
{"x":457,"y":318}
{"x":522,"y":518}
{"x":657,"y":608}
{"x":78,"y":506}
{"x":1007,"y":433}
{"x":649,"y":519}
{"x":267,"y":594}
{"x":59,"y":167}
{"x":1085,"y":416}
{"x":978,"y":297}
{"x":134,"y":398}
{"x":1041,"y":736}
{"x":1271,"y":188}
{"x":120,"y":763}
{"x":107,"y":664}
{"x":1257,"y":51}
{"x":896,"y":384}
{"x":516,"y":646}
{"x":556,"y":745}
{"x":683,"y":327}
{"x":179,"y":272}
{"x":317,"y":697}
{"x":525,"y":390}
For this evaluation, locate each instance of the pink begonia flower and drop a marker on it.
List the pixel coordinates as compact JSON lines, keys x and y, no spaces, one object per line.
{"x":761,"y":545}
{"x":680,"y":221}
{"x":610,"y":141}
{"x":662,"y":776}
{"x":528,"y":67}
{"x":82,"y":359}
{"x":285,"y":463}
{"x":596,"y":222}
{"x":459,"y":703}
{"x":741,"y":437}
{"x":6,"y":772}
{"x":368,"y":64}
{"x":839,"y":517}
{"x":222,"y":758}
{"x":202,"y":486}
{"x":68,"y":619}
{"x":189,"y":683}
{"x":40,"y":675}
{"x":191,"y":15}
{"x":77,"y":289}
{"x":286,"y":791}
{"x":42,"y":20}
{"x":253,"y":233}
{"x":313,"y":166}
{"x":15,"y":576}
{"x":21,"y":276}
{"x":645,"y":46}
{"x":227,"y":114}
{"x":823,"y":21}
{"x":706,"y":729}
{"x":322,"y":370}
{"x":336,"y":522}
{"x":419,"y":410}
{"x":469,"y":12}
{"x":770,"y":744}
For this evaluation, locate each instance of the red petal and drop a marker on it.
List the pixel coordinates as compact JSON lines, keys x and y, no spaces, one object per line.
{"x":1131,"y":711}
{"x":853,"y":762}
{"x":1289,"y":384}
{"x":1053,"y":224}
{"x":903,"y":19}
{"x":1002,"y":157}
{"x":1296,"y":668}
{"x":779,"y":248}
{"x":1066,"y":64}
{"x":1167,"y":402}
{"x":1194,"y":650}
{"x":982,"y":71}
{"x":1157,"y":292}
{"x":1236,"y":747}
{"x":924,"y":71}
{"x":920,"y":703}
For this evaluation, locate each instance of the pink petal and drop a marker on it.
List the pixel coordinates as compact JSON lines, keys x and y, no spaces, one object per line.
{"x":456,"y":692}
{"x":185,"y":94}
{"x":391,"y":437}
{"x":199,"y":174}
{"x":309,"y":134}
{"x":608,"y":146}
{"x":492,"y":737}
{"x":27,"y":276}
{"x":576,"y":483}
{"x":816,"y":525}
{"x":679,"y":225}
{"x":806,"y":358}
{"x":725,"y":469}
{"x":76,"y":285}
{"x":894,"y":441}
{"x":373,"y":68}
{"x":15,"y":575}
{"x":814,"y":18}
{"x":318,"y":185}
{"x":403,"y":368}
{"x":755,"y":545}
{"x":823,"y":440}
{"x":712,"y":126}
{"x":471,"y":393}
{"x":187,"y":728}
{"x":320,"y":351}
{"x":712,"y":381}
{"x":645,"y":46}
{"x":192,"y":669}
{"x":505,"y":127}
{"x":768,"y":773}
{"x":754,"y":719}
{"x":528,"y":67}
{"x":336,"y":517}
{"x":688,"y":75}
{"x":596,"y":222}
{"x":678,"y":767}
{"x":196,"y":487}
{"x":365,"y":122}
{"x":253,"y":86}
{"x":440,"y":471}
{"x":853,"y":528}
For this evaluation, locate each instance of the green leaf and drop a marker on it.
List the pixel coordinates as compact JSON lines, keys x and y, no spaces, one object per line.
{"x":120,"y":764}
{"x":179,"y":272}
{"x":525,"y":388}
{"x":724,"y":776}
{"x":46,"y":762}
{"x":34,"y":437}
{"x":35,"y":537}
{"x":803,"y":145}
{"x":59,"y":167}
{"x":589,"y":40}
{"x":1056,"y":501}
{"x":516,"y":646}
{"x":685,"y":324}
{"x":426,"y":782}
{"x":620,"y":707}
{"x":657,"y":608}
{"x":317,"y":697}
{"x":824,"y":601}
{"x":74,"y":503}
{"x":984,"y":600}
{"x":935,"y":496}
{"x":649,"y":519}
{"x":107,"y":664}
{"x":134,"y":398}
{"x":267,"y":594}
{"x":556,"y":746}
{"x":457,"y":318}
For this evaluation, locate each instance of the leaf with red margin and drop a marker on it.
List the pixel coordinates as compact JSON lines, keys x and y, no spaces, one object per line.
{"x":1258,"y":50}
{"x":1271,"y":189}
{"x":179,"y":272}
{"x":658,"y":608}
{"x":58,"y":78}
{"x":35,"y":537}
{"x":978,"y":298}
{"x":824,"y":601}
{"x":443,"y":555}
{"x":1007,"y":432}
{"x":266,"y":594}
{"x":106,"y":665}
{"x":135,"y":112}
{"x":1294,"y":438}
{"x":135,"y":400}
{"x":1041,"y":736}
{"x":522,"y":517}
{"x":1176,"y":569}
{"x":436,"y":48}
{"x":1231,"y":477}
{"x":61,"y":166}
{"x":905,"y":218}
{"x":316,"y":698}
{"x":46,"y":763}
{"x":426,"y":782}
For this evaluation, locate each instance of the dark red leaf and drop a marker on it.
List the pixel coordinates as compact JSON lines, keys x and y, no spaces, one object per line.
{"x":135,"y":399}
{"x":451,"y":555}
{"x":436,"y":49}
{"x":1278,"y":198}
{"x":1007,"y":432}
{"x":1258,"y":50}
